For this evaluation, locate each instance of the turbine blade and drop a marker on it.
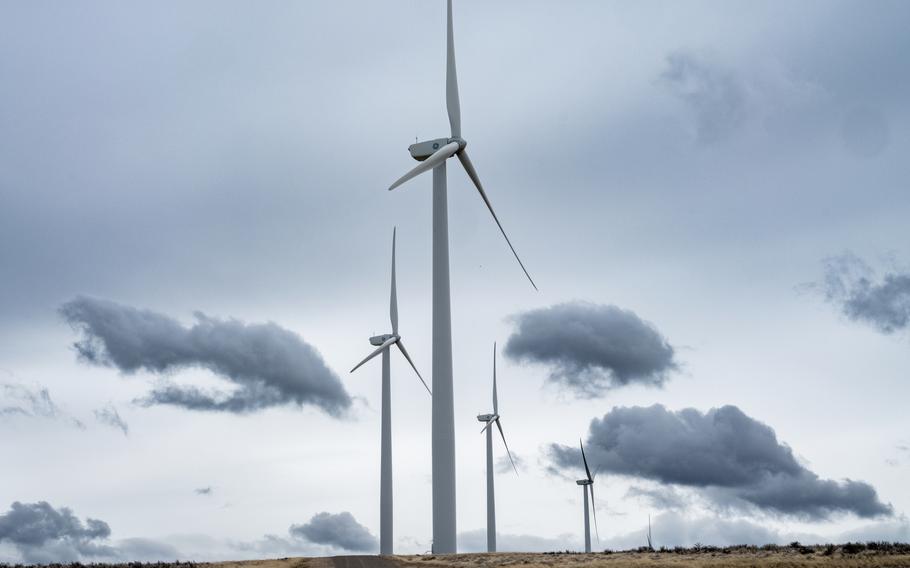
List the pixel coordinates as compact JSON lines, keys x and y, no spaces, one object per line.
{"x":375,"y":353}
{"x":588,"y":471}
{"x":472,"y":173}
{"x":495,"y":398}
{"x":434,"y":160}
{"x":506,"y":444}
{"x":408,"y":357}
{"x":393,"y":302}
{"x":484,"y":429}
{"x":452,"y":103}
{"x":594,"y":509}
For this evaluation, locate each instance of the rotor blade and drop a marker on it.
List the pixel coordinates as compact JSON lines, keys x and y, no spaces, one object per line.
{"x":375,"y":353}
{"x":594,"y":509}
{"x":588,"y":471}
{"x":484,"y":429}
{"x":393,"y":302}
{"x":408,"y":357}
{"x":472,"y":173}
{"x":506,"y":444}
{"x":495,"y":399}
{"x":438,"y":157}
{"x":452,"y":103}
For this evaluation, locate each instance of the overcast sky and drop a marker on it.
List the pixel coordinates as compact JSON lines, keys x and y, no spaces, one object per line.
{"x":195,"y":242}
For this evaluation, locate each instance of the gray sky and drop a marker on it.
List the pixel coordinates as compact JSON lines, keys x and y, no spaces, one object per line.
{"x":731,"y":176}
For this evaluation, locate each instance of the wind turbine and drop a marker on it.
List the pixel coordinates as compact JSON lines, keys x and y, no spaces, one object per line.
{"x":586,"y":484}
{"x":650,"y":542}
{"x":383,"y":344}
{"x":490,"y":419}
{"x":432,"y":155}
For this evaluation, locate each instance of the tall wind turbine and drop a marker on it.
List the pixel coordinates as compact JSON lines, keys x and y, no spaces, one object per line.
{"x":489,"y":419}
{"x":588,"y":484}
{"x":383,"y":344}
{"x":432,"y":155}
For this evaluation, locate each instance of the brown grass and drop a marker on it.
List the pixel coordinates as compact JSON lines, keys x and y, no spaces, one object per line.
{"x":275,"y":563}
{"x":743,"y":559}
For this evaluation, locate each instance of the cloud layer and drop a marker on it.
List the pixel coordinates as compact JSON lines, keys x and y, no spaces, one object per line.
{"x":734,"y":460}
{"x":43,"y":534}
{"x":269,"y":365}
{"x":591,"y":348}
{"x":340,"y":530}
{"x":862,"y":295}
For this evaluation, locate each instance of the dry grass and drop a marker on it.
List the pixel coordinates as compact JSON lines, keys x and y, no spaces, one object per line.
{"x":275,"y":563}
{"x":740,"y":559}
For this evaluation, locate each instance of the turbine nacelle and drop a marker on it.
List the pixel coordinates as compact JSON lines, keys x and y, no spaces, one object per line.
{"x":378,"y":340}
{"x":387,"y":340}
{"x":420,"y":151}
{"x":584,"y":482}
{"x":487,"y":417}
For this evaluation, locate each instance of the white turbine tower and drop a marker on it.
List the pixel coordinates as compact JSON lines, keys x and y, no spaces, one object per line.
{"x":432,"y":155}
{"x":384,"y":343}
{"x":489,"y":419}
{"x":588,"y":484}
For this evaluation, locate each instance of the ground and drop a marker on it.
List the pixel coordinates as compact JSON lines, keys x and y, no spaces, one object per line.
{"x":742,"y":557}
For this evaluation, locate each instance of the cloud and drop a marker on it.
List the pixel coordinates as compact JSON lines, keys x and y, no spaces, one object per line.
{"x":865,"y":131}
{"x":591,"y":348}
{"x":715,"y":95}
{"x":675,"y":529}
{"x":340,"y":530}
{"x":503,"y":465}
{"x":145,"y":550}
{"x":20,"y":400}
{"x":854,"y":287}
{"x":734,"y":460}
{"x":43,"y":534}
{"x":109,"y":416}
{"x":476,"y":541}
{"x":203,"y":491}
{"x":269,"y":365}
{"x":663,"y":497}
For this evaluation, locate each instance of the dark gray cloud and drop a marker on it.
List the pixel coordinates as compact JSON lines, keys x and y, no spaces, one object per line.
{"x":733,"y":459}
{"x":714,"y":95}
{"x":591,"y":348}
{"x":20,"y":400}
{"x":882,"y":301}
{"x":340,"y":530}
{"x":109,"y":416}
{"x":43,"y":534}
{"x":269,"y":365}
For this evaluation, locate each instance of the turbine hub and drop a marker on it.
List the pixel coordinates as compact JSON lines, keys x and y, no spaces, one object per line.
{"x":420,"y":151}
{"x":378,"y":340}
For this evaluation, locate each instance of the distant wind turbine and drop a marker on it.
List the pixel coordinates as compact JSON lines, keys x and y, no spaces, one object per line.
{"x":490,"y":419}
{"x":586,"y":484}
{"x":650,"y":543}
{"x":432,"y":155}
{"x":384,"y":343}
